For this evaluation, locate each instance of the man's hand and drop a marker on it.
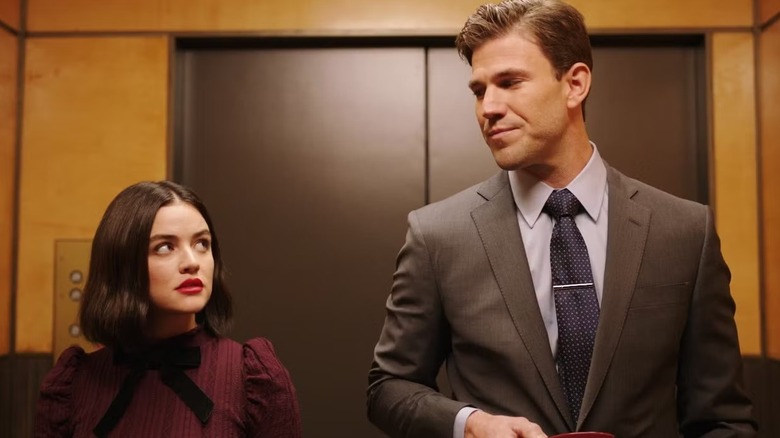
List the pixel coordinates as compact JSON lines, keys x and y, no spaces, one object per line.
{"x":483,"y":425}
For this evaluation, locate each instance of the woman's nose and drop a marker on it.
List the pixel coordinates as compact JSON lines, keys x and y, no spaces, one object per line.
{"x":189,"y":261}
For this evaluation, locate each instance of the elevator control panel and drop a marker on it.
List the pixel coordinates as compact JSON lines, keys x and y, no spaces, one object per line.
{"x":70,"y":276}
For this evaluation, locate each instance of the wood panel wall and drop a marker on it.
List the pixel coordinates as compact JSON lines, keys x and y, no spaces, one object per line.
{"x":359,"y":16}
{"x":769,"y":124}
{"x":96,"y":109}
{"x":95,"y":121}
{"x":9,"y":62}
{"x":767,"y":9}
{"x":734,"y":175}
{"x":9,"y":13}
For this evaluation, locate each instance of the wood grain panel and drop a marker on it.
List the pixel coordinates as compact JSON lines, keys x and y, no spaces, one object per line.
{"x":769,"y":115}
{"x":734,"y":175}
{"x":8,"y":86}
{"x":628,"y":14}
{"x":9,"y":12}
{"x":356,"y":16}
{"x":95,"y":119}
{"x":767,"y":9}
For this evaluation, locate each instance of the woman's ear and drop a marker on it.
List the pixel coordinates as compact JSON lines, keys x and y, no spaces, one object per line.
{"x":578,"y":77}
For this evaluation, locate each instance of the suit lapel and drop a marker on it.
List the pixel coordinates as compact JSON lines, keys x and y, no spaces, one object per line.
{"x":496,"y":222}
{"x":627,"y":232}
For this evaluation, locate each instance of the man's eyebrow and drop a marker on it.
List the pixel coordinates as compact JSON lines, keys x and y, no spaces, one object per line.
{"x":503,"y":74}
{"x":512,"y":72}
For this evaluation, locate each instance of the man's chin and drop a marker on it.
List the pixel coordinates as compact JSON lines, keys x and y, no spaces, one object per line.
{"x":507,"y":162}
{"x":518,"y":164}
{"x":509,"y":166}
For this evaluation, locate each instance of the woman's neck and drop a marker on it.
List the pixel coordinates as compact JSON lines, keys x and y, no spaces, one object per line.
{"x":160,"y":327}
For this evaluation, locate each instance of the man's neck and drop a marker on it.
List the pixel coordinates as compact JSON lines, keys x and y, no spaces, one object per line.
{"x":570,"y":160}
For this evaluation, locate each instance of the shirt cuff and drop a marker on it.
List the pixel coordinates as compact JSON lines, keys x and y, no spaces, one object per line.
{"x":459,"y":431}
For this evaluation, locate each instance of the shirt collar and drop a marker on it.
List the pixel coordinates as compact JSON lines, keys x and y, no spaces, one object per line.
{"x":589,"y":186}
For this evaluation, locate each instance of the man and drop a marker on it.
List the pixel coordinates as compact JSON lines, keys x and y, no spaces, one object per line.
{"x":613,"y":316}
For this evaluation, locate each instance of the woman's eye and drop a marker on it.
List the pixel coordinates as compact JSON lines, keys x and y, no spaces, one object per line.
{"x":163,"y":248}
{"x":203,"y":245}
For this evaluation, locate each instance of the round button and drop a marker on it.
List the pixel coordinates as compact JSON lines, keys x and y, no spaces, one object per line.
{"x":76,"y":276}
{"x":74,"y":330}
{"x":75,"y":294}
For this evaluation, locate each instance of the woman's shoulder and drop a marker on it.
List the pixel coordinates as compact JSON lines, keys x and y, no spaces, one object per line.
{"x":54,"y":407}
{"x":69,"y":362}
{"x":259,"y":349}
{"x":261,"y":361}
{"x":272,"y":402}
{"x":262,"y":366}
{"x":256,"y":356}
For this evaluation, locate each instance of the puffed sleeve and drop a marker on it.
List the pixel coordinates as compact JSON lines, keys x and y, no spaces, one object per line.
{"x":54,"y":409}
{"x":272,"y":407}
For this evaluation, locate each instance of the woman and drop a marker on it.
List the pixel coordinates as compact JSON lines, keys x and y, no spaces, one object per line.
{"x":156,"y":299}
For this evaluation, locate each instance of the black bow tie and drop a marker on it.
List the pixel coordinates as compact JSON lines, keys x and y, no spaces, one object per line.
{"x":171,"y":362}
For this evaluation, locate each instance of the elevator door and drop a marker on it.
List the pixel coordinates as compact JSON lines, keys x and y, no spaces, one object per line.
{"x":309,"y":160}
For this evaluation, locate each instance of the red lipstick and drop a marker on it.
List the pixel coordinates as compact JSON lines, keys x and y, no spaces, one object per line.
{"x":190,"y":286}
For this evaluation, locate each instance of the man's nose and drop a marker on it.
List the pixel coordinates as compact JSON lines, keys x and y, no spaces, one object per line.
{"x":493,"y":105}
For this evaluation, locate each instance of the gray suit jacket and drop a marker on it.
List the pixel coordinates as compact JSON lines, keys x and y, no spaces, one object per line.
{"x":666,"y":360}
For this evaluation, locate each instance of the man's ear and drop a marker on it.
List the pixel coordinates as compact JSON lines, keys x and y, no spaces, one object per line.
{"x":578,"y":78}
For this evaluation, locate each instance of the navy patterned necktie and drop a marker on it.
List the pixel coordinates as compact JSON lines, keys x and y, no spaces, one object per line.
{"x":576,"y":304}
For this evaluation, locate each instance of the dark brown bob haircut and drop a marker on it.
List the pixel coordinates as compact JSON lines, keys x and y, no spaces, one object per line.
{"x":558,"y":29}
{"x":116,"y":296}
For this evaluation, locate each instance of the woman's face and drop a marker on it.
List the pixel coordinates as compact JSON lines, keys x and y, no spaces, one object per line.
{"x":181,"y":268}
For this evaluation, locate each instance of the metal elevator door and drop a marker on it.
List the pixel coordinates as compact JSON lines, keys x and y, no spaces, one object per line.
{"x":309,"y":160}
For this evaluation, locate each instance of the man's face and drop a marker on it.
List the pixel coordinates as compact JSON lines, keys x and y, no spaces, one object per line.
{"x":521,"y":107}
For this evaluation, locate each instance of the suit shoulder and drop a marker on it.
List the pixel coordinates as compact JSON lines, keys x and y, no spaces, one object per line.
{"x":655,"y":198}
{"x":460,"y":205}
